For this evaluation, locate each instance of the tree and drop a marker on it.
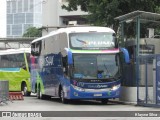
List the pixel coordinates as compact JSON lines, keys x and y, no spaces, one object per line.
{"x":32,"y":32}
{"x":103,"y":12}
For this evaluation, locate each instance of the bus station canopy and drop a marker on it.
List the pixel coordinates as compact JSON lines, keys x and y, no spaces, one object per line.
{"x":143,"y":16}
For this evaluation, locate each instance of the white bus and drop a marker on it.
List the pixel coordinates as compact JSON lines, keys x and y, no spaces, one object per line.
{"x":76,"y":63}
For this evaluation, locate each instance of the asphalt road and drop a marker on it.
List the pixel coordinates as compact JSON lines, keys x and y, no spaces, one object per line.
{"x":76,"y":110}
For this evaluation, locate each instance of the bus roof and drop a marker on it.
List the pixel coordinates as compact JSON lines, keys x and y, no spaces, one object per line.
{"x":15,"y":51}
{"x":76,"y":29}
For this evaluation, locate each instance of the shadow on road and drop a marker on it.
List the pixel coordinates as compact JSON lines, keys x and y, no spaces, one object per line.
{"x":76,"y":102}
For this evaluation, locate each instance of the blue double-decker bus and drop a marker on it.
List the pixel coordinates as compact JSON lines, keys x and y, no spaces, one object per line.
{"x":77,"y":63}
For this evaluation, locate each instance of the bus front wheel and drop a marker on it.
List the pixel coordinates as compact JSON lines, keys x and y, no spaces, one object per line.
{"x":104,"y":101}
{"x":39,"y":93}
{"x":24,"y":90}
{"x":62,"y":96}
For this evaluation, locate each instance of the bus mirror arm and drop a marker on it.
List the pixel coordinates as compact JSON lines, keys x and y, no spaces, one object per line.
{"x":116,"y":43}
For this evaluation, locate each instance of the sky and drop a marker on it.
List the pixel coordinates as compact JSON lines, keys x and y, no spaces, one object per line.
{"x":2,"y":18}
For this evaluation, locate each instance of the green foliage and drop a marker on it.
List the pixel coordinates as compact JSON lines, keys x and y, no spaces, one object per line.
{"x":32,"y":32}
{"x":103,"y":12}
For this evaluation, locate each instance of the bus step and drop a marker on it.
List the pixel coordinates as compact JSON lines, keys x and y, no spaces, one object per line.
{"x":15,"y":96}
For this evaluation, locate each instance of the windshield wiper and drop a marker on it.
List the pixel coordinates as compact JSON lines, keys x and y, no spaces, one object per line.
{"x":107,"y":70}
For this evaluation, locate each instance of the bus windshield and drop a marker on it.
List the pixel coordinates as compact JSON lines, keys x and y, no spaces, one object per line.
{"x":92,"y":40}
{"x":96,"y":66}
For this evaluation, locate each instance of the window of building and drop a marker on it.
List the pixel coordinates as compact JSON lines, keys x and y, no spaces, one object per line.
{"x":19,"y":18}
{"x":8,"y":29}
{"x":20,"y":6}
{"x":14,"y":6}
{"x":25,"y":5}
{"x":17,"y":29}
{"x":9,"y":18}
{"x":29,"y":17}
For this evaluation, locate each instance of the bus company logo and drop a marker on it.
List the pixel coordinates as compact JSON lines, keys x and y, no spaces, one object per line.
{"x":49,"y":60}
{"x":97,"y":86}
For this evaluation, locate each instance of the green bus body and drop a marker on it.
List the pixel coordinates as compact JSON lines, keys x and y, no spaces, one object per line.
{"x":16,"y":79}
{"x":14,"y":67}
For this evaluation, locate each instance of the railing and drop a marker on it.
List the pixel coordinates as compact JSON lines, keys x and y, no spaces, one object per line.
{"x":148,"y":80}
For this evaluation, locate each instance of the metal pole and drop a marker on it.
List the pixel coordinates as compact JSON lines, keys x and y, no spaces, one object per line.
{"x":137,"y":35}
{"x":146,"y":75}
{"x":122,"y":34}
{"x":137,"y":54}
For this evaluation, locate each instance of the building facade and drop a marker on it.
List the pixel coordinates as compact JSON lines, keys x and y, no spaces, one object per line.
{"x":22,"y":14}
{"x":54,"y":16}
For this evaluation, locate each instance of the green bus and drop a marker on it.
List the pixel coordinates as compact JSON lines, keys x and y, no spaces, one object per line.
{"x":14,"y":67}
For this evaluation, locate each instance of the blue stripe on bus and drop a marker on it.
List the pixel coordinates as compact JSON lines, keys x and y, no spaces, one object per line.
{"x":10,"y":69}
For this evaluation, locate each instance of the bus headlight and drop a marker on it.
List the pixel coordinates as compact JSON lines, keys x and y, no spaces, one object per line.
{"x":78,"y":88}
{"x":116,"y":87}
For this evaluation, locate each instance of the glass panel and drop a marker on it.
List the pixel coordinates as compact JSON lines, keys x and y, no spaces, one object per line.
{"x":8,"y":29}
{"x":20,"y":6}
{"x":29,"y":17}
{"x":9,"y":18}
{"x":14,"y":6}
{"x":12,"y":61}
{"x":16,"y":29}
{"x":96,"y":66}
{"x":31,"y":6}
{"x":8,"y":7}
{"x":19,"y":18}
{"x":25,"y":5}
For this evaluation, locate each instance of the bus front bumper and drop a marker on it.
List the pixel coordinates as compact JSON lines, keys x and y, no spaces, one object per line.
{"x":78,"y":93}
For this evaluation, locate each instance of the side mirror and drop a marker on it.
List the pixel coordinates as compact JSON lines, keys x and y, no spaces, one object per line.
{"x":126,"y":55}
{"x":70,"y":59}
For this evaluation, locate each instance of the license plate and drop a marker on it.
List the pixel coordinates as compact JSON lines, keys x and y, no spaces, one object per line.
{"x":97,"y":95}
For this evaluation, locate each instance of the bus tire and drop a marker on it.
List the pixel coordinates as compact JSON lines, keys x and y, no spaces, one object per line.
{"x":24,"y":90}
{"x":39,"y":93}
{"x":104,"y":101}
{"x":63,"y":100}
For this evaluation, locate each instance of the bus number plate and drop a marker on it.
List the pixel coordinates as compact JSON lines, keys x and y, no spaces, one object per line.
{"x":97,"y":95}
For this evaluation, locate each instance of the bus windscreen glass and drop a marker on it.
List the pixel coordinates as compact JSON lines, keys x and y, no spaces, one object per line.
{"x":96,"y":66}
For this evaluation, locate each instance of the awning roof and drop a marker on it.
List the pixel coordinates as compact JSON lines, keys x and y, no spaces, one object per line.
{"x":143,"y":16}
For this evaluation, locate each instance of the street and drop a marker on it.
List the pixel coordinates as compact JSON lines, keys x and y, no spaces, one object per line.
{"x":54,"y":105}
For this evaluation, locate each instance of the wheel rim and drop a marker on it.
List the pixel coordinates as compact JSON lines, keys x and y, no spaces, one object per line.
{"x":24,"y":91}
{"x":62,"y":95}
{"x":40,"y":94}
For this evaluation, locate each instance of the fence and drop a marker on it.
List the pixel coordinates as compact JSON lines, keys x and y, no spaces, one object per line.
{"x":4,"y":91}
{"x":148,"y":80}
